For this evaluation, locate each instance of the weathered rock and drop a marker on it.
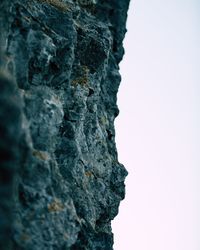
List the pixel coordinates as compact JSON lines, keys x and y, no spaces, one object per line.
{"x":61,"y":182}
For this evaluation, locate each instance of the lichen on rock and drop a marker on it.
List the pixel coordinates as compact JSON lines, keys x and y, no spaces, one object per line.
{"x":61,"y":183}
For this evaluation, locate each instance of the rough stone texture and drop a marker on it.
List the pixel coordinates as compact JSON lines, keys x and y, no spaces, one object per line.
{"x":60,"y":179}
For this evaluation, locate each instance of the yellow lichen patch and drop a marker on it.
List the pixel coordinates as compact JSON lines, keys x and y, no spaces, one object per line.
{"x":41,"y":155}
{"x":58,"y":4}
{"x":55,"y":206}
{"x":84,"y":78}
{"x":24,"y":237}
{"x":80,"y":80}
{"x":89,"y":174}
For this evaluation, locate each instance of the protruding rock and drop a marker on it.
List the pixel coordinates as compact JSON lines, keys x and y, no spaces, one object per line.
{"x":60,"y":180}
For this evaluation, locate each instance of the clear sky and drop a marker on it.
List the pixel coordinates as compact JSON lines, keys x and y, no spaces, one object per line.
{"x":158,"y":129}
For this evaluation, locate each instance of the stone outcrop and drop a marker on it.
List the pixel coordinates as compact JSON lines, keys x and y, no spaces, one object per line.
{"x":60,"y":179}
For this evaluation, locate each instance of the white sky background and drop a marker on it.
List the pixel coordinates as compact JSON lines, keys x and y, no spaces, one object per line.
{"x":158,"y":129}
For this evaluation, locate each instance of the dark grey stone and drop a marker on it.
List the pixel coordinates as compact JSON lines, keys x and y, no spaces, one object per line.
{"x":60,"y":180}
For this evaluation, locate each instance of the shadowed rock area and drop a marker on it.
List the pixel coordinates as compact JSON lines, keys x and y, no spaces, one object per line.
{"x":60,"y":180}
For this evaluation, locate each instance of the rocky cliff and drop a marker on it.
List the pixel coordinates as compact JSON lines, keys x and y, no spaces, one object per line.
{"x":60,"y":179}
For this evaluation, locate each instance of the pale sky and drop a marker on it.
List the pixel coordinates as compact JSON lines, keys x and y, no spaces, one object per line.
{"x":158,"y":129}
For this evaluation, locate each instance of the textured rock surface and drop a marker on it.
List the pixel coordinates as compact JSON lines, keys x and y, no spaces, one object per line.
{"x":61,"y":182}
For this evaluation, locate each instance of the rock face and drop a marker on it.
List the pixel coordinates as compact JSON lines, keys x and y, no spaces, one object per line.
{"x":60,"y":179}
